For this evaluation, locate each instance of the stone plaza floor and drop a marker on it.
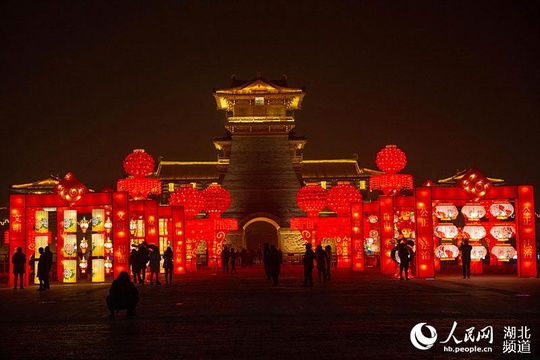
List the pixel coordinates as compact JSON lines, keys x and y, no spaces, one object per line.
{"x":207,"y":314}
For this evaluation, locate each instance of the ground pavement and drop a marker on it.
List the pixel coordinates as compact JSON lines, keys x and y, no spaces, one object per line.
{"x":211,"y":315}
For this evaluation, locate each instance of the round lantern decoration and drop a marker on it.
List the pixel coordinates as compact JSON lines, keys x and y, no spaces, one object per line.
{"x":474,"y":232}
{"x":478,"y":252}
{"x":216,"y":199}
{"x":504,"y":252}
{"x":501,"y":209}
{"x":446,"y":231}
{"x":341,"y":196}
{"x":447,"y":252}
{"x":312,"y":199}
{"x":473,"y":212}
{"x":446,"y":211}
{"x":503,"y":232}
{"x":391,"y":159}
{"x":190,"y":198}
{"x":139,"y":164}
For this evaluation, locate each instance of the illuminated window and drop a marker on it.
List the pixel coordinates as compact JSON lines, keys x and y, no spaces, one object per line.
{"x":259,"y":101}
{"x":323,"y":184}
{"x":363,"y":185}
{"x":171,"y":187}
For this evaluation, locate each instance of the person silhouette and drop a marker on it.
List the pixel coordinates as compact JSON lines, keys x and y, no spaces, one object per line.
{"x":321,"y":258}
{"x":309,"y":256}
{"x":168,"y":265}
{"x":404,"y":258}
{"x":466,"y":249}
{"x":19,"y":265}
{"x":48,"y":266}
{"x":155,"y":261}
{"x":122,"y":295}
{"x":328,"y":250}
{"x":275,"y":260}
{"x":41,"y":269}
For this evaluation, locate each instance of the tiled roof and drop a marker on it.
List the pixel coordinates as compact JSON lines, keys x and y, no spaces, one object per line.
{"x":334,"y":169}
{"x":192,"y":170}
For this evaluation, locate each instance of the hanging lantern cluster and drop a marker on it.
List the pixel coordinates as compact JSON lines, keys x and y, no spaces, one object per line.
{"x":190,"y":198}
{"x":312,"y":199}
{"x":216,"y":199}
{"x":341,"y":196}
{"x":391,"y":160}
{"x":139,"y":165}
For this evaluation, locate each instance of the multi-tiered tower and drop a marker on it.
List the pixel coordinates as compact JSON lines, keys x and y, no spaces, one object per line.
{"x":260,"y":150}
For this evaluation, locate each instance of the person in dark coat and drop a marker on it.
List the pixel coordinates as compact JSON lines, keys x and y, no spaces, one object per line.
{"x":122,"y":295}
{"x":321,"y":258}
{"x":404,"y":255}
{"x":328,"y":250}
{"x":133,"y":264}
{"x":466,"y":249}
{"x":142,"y":260}
{"x":275,"y":259}
{"x":266,"y":261}
{"x":309,"y":256}
{"x":41,"y":269}
{"x":19,"y":265}
{"x":225,"y":255}
{"x":155,"y":261}
{"x":168,"y":265}
{"x":234,"y":256}
{"x":48,"y":266}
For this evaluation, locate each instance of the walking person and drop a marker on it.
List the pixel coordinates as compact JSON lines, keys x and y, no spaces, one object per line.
{"x":168,"y":264}
{"x":133,"y":264}
{"x":225,"y":255}
{"x":142,"y":260}
{"x":321,"y":258}
{"x":466,"y":249}
{"x":266,"y":261}
{"x":41,"y":272}
{"x":275,"y":258}
{"x":404,"y":258}
{"x":19,"y":265}
{"x":155,"y":261}
{"x":234,"y":255}
{"x":309,"y":256}
{"x":48,"y":266}
{"x":328,"y":250}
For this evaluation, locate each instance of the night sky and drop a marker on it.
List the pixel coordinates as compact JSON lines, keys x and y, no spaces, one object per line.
{"x":454,"y":84}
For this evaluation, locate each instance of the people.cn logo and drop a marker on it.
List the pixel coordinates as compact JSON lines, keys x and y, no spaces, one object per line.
{"x":419,"y":340}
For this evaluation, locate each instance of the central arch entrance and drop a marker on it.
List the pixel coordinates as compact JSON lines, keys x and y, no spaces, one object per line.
{"x":259,"y":231}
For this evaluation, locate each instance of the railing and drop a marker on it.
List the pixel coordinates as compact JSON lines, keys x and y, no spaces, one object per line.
{"x":259,"y":119}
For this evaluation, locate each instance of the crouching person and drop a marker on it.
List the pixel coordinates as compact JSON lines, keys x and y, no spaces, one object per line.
{"x":123,"y":295}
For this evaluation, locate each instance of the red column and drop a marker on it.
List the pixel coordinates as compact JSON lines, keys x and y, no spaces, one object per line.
{"x":120,"y":232}
{"x":386,"y":217}
{"x":17,"y":233}
{"x":151,"y":220}
{"x":424,"y":233}
{"x":178,"y":240}
{"x":526,"y":236}
{"x":357,"y":237}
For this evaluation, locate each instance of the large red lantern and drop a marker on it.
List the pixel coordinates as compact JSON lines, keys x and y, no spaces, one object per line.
{"x":341,"y":196}
{"x":216,"y":199}
{"x":312,"y":199}
{"x":391,"y":160}
{"x":188,"y":197}
{"x":139,"y":164}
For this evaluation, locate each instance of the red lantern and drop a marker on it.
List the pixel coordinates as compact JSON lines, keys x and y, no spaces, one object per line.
{"x":312,"y":199}
{"x":391,"y":159}
{"x":139,"y":164}
{"x":216,"y":199}
{"x":70,"y":189}
{"x":474,"y":184}
{"x":341,"y":196}
{"x":188,"y":197}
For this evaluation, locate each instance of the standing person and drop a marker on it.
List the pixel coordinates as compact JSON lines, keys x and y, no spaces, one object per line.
{"x":275,"y":259}
{"x":466,"y":249}
{"x":155,"y":260}
{"x":234,"y":255}
{"x":41,"y":272}
{"x":133,"y":264}
{"x":225,"y":255}
{"x":309,"y":256}
{"x":48,"y":265}
{"x":266,"y":261}
{"x":404,"y":258}
{"x":328,"y":250}
{"x":321,"y":258}
{"x":243,"y":257}
{"x":19,"y":264}
{"x":168,"y":265}
{"x":142,"y":260}
{"x":122,"y":295}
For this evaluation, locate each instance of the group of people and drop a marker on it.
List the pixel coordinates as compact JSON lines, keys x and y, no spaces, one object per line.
{"x":322,"y":258}
{"x":145,"y":256}
{"x":272,"y":259}
{"x":44,"y":267}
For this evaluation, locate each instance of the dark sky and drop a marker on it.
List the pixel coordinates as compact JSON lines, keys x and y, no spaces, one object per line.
{"x":454,"y":84}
